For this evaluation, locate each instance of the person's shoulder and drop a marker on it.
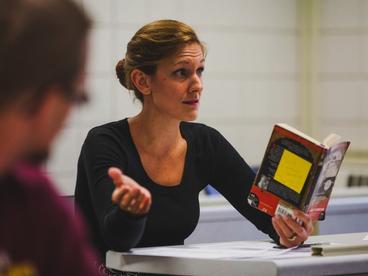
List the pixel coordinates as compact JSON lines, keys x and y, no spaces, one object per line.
{"x":30,"y":177}
{"x":37,"y":190}
{"x":53,"y":219}
{"x":202,"y":137}
{"x":111,"y":133}
{"x":40,"y":193}
{"x":199,"y":130}
{"x":108,"y":128}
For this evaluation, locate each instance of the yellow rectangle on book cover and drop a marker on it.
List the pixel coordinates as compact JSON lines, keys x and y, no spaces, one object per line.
{"x":292,"y":171}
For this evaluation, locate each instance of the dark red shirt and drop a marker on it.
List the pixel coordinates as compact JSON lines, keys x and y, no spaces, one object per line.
{"x":39,"y":234}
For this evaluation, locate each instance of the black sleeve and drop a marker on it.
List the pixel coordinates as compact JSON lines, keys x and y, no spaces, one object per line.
{"x":101,"y":150}
{"x":233,"y":178}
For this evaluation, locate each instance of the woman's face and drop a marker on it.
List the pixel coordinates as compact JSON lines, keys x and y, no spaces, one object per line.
{"x":177,"y":84}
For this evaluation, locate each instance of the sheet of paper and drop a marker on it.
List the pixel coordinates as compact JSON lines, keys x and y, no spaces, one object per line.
{"x":214,"y":253}
{"x":259,"y":245}
{"x":239,"y":250}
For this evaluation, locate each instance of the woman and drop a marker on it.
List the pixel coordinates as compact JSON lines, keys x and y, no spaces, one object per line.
{"x":170,"y":158}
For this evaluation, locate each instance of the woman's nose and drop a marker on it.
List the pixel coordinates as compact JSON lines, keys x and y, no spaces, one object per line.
{"x":197,"y":84}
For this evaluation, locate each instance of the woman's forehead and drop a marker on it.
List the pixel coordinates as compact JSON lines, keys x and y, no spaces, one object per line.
{"x":190,"y":49}
{"x":187,"y":53}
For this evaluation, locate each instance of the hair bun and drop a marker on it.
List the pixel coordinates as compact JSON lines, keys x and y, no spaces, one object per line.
{"x":120,"y":72}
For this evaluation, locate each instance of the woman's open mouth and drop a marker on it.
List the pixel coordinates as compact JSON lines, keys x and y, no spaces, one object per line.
{"x":191,"y":102}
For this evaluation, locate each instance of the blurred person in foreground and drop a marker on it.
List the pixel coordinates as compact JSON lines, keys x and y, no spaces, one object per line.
{"x":43,"y":47}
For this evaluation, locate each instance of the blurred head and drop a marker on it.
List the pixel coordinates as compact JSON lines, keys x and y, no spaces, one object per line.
{"x":42,"y":59}
{"x":152,"y":44}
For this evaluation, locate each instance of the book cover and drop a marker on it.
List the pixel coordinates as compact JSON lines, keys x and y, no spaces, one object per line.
{"x":297,"y":171}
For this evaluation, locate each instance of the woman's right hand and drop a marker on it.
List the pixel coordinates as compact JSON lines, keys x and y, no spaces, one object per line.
{"x":128,"y":194}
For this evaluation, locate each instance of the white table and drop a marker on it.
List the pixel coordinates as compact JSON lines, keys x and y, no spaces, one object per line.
{"x":286,"y":263}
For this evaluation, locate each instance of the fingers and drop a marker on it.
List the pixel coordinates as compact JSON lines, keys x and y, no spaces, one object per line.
{"x":288,"y":237}
{"x":128,"y":194}
{"x":286,"y":226}
{"x":130,"y":198}
{"x":307,"y":222}
{"x":116,"y":175}
{"x":119,"y":193}
{"x":136,"y":200}
{"x":146,"y":202}
{"x":290,"y":231}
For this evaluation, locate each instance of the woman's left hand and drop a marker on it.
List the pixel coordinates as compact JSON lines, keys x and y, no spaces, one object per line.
{"x":290,"y":231}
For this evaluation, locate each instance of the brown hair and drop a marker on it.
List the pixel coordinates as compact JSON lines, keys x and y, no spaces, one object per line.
{"x":40,"y":45}
{"x":149,"y":45}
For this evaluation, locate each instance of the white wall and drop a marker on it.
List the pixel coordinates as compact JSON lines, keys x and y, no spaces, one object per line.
{"x":344,"y":69}
{"x":252,"y":70}
{"x":343,"y":79}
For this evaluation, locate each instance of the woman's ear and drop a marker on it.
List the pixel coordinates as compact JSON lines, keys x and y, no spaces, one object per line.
{"x":141,"y":81}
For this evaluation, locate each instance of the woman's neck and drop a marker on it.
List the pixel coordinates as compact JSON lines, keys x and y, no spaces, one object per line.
{"x":156,"y":135}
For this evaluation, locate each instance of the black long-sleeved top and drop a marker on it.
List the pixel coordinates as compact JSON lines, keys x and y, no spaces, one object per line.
{"x":174,"y":213}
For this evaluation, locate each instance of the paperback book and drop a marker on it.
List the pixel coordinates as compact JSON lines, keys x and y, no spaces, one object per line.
{"x":297,"y":172}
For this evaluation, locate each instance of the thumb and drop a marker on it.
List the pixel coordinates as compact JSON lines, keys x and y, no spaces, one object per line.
{"x":116,"y":175}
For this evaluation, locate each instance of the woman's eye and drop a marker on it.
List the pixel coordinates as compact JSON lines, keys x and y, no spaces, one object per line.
{"x":180,"y":73}
{"x":200,"y":71}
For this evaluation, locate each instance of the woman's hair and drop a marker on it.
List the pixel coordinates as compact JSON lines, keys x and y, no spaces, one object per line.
{"x":150,"y":44}
{"x":40,"y":46}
